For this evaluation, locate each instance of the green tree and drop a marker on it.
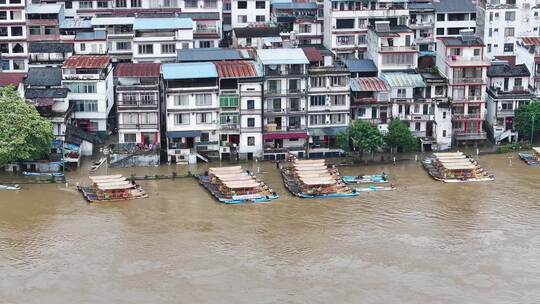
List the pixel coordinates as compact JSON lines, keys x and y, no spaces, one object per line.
{"x":400,"y":137}
{"x":523,"y":119}
{"x":24,"y":134}
{"x":365,"y":137}
{"x":343,"y":141}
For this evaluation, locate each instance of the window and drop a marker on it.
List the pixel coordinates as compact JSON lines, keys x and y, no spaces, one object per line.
{"x":86,"y":105}
{"x":260,"y":4}
{"x":81,"y":87}
{"x":204,"y":118}
{"x":16,"y":31}
{"x":318,"y":82}
{"x":226,"y":6}
{"x":304,"y":28}
{"x":440,"y":31}
{"x":318,"y":119}
{"x":510,"y":16}
{"x":102,"y":4}
{"x":34,"y":30}
{"x":121,"y":3}
{"x":260,"y":18}
{"x":345,"y":40}
{"x":148,"y":118}
{"x":444,"y":133}
{"x":401,"y":93}
{"x":50,"y":30}
{"x":203,"y":99}
{"x":181,"y":119}
{"x":86,"y":4}
{"x":337,"y":80}
{"x":440,"y":17}
{"x":518,"y":83}
{"x":508,"y":47}
{"x":169,"y":48}
{"x":251,"y":104}
{"x":190,"y":3}
{"x":338,"y":100}
{"x":3,"y":15}
{"x":130,"y":138}
{"x":136,"y":3}
{"x":489,"y":48}
{"x":130,"y":118}
{"x":4,"y":48}
{"x":185,"y":45}
{"x":251,"y":141}
{"x":417,"y":126}
{"x":181,"y":100}
{"x":16,"y":15}
{"x":251,"y":122}
{"x":508,"y":32}
{"x":241,"y":5}
{"x":317,"y":100}
{"x":206,"y":44}
{"x":274,"y":86}
{"x":337,"y":118}
{"x":476,"y":52}
{"x":444,"y":115}
{"x":148,"y":99}
{"x":205,"y":137}
{"x":439,"y":90}
{"x":124,"y":45}
{"x":146,"y":49}
{"x":398,"y":59}
{"x":344,"y":23}
{"x":242,"y":18}
{"x":68,"y":4}
{"x":228,"y":101}
{"x":18,"y":65}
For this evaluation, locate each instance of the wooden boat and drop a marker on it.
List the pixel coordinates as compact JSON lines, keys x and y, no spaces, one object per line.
{"x":44,"y":174}
{"x":97,"y":164}
{"x":10,"y":187}
{"x":455,"y":167}
{"x":111,"y":188}
{"x":376,"y":188}
{"x":233,"y":185}
{"x":366,"y":179}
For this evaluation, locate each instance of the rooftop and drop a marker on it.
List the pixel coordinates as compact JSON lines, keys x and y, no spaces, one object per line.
{"x":248,"y":32}
{"x":189,"y":70}
{"x":506,"y":70}
{"x":50,"y":47}
{"x":200,"y":15}
{"x":47,"y":76}
{"x":390,"y":31}
{"x":421,"y":6}
{"x":137,"y":70}
{"x":531,"y":40}
{"x":369,"y":84}
{"x":282,"y":56}
{"x":462,"y":41}
{"x":162,"y":23}
{"x":11,"y":78}
{"x":237,"y":69}
{"x":403,"y":80}
{"x":295,"y":5}
{"x":313,"y":54}
{"x":32,"y":93}
{"x":90,"y":36}
{"x":113,"y":20}
{"x":212,"y":54}
{"x":43,"y":8}
{"x":87,"y":61}
{"x":360,"y":65}
{"x":454,"y":6}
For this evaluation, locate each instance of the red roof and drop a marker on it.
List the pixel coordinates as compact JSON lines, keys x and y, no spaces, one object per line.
{"x":137,"y":70}
{"x":236,"y":69}
{"x":371,"y":84}
{"x":87,"y":62}
{"x":11,"y":78}
{"x":289,"y":135}
{"x":531,"y":40}
{"x":313,"y":54}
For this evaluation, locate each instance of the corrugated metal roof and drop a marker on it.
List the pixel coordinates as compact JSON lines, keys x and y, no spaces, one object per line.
{"x":32,"y":93}
{"x":43,"y":8}
{"x":282,"y":56}
{"x":313,"y":54}
{"x":360,"y":65}
{"x":189,"y":70}
{"x":369,"y":84}
{"x":45,"y":76}
{"x":237,"y":69}
{"x":11,"y":78}
{"x":212,"y":54}
{"x":162,"y":23}
{"x":531,"y":40}
{"x":454,"y":6}
{"x":50,"y":47}
{"x":137,"y":70}
{"x":404,"y":80}
{"x":87,"y":61}
{"x":112,"y":20}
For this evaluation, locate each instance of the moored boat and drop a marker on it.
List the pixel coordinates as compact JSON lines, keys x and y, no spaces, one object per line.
{"x":108,"y":188}
{"x":366,"y":179}
{"x":376,"y":188}
{"x":455,"y":167}
{"x":531,"y":159}
{"x":9,"y":187}
{"x":44,"y":174}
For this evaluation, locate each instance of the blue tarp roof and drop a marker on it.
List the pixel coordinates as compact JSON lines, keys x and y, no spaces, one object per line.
{"x":188,"y":70}
{"x":404,"y":80}
{"x":360,"y":65}
{"x":161,"y":23}
{"x":282,"y":56}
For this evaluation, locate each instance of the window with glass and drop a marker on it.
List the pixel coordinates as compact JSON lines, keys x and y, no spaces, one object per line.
{"x":87,"y":4}
{"x":130,"y":137}
{"x":136,"y":3}
{"x":204,"y":118}
{"x":181,"y":119}
{"x":241,"y":5}
{"x":251,"y":122}
{"x":260,"y":18}
{"x":317,"y":100}
{"x":16,"y":31}
{"x":228,"y":118}
{"x":34,"y":30}
{"x":317,"y":82}
{"x":123,"y":45}
{"x":86,"y":105}
{"x":228,"y":101}
{"x":274,"y":86}
{"x":81,"y":87}
{"x":181,"y":100}
{"x":148,"y":118}
{"x":50,"y":30}
{"x":120,"y":3}
{"x":103,"y":4}
{"x":251,"y":141}
{"x":130,"y":118}
{"x":168,"y":48}
{"x":203,"y":99}
{"x":304,"y":28}
{"x":317,"y":119}
{"x":508,"y":32}
{"x":337,"y":118}
{"x":146,"y":49}
{"x":251,"y":104}
{"x":338,"y":100}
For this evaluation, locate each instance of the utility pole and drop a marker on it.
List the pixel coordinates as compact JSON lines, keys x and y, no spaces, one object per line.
{"x":533,"y":121}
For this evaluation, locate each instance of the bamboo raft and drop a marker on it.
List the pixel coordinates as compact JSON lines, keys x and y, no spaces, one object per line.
{"x":233,"y":185}
{"x":455,"y":167}
{"x":108,"y":188}
{"x":313,"y":179}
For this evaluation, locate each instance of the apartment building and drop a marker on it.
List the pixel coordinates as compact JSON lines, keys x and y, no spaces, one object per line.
{"x":119,"y":32}
{"x":43,"y":21}
{"x":137,"y":91}
{"x":256,"y":37}
{"x":192,"y":111}
{"x":391,"y":47}
{"x":298,"y":22}
{"x":157,"y":39}
{"x":500,"y":23}
{"x":13,"y":36}
{"x":51,"y":54}
{"x":463,"y":62}
{"x":328,"y":102}
{"x":507,"y":90}
{"x":346,"y":23}
{"x":436,"y":92}
{"x":370,"y":101}
{"x":284,"y":103}
{"x":528,"y":53}
{"x":89,"y":79}
{"x":452,"y":16}
{"x":422,"y":23}
{"x":249,"y":12}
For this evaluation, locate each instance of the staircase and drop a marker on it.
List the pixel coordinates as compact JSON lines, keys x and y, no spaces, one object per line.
{"x":504,"y":135}
{"x":201,"y":157}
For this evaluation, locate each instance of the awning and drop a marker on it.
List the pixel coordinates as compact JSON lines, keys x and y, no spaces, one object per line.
{"x":290,"y":135}
{"x":179,"y":134}
{"x":327,"y":131}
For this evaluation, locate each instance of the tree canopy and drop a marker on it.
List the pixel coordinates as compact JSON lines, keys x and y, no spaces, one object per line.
{"x":24,"y":134}
{"x":365,"y":137}
{"x":399,"y":136}
{"x":523,"y":117}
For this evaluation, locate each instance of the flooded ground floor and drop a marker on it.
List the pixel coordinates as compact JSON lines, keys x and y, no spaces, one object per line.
{"x":427,"y":242}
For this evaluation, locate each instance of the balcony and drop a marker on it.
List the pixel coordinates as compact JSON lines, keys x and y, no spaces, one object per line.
{"x":279,"y":128}
{"x":230,"y":127}
{"x":469,"y":135}
{"x":461,"y":116}
{"x":520,"y":92}
{"x":466,"y":99}
{"x":137,"y":104}
{"x":459,"y":61}
{"x":137,"y":126}
{"x":271,"y":150}
{"x":398,"y":49}
{"x":419,"y":134}
{"x":468,"y":80}
{"x":506,"y":112}
{"x":284,"y":92}
{"x":420,"y":24}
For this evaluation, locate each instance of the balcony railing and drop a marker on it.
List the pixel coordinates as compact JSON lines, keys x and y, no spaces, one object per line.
{"x":270,"y":149}
{"x":284,"y":128}
{"x":126,"y":103}
{"x":411,"y":48}
{"x":230,"y":126}
{"x":469,"y":134}
{"x":465,"y":80}
{"x":137,"y":126}
{"x":459,"y":116}
{"x":462,"y":99}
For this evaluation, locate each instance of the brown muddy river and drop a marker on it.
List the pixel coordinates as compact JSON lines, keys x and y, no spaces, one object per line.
{"x":427,"y":242}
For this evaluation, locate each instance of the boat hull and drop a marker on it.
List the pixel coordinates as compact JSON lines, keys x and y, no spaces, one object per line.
{"x":203,"y":180}
{"x":368,"y":179}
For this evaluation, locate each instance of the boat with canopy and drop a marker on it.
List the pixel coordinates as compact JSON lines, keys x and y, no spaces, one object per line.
{"x":455,"y":167}
{"x":107,"y":188}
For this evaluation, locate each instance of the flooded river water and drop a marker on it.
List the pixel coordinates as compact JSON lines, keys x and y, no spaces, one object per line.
{"x":427,"y":242}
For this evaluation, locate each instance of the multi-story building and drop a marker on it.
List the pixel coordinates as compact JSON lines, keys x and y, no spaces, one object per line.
{"x":346,"y":23}
{"x":157,"y":39}
{"x":452,"y":16}
{"x":256,"y":37}
{"x":119,"y":35}
{"x":508,"y":89}
{"x":391,"y":47}
{"x":422,"y":23}
{"x":49,"y":53}
{"x":298,"y":22}
{"x":328,"y":102}
{"x":192,"y":111}
{"x":462,"y":61}
{"x":436,"y":91}
{"x":13,"y":37}
{"x":137,"y":89}
{"x":500,"y":23}
{"x":91,"y":43}
{"x":528,"y":53}
{"x":43,"y":21}
{"x":370,"y":101}
{"x":248,"y":12}
{"x":43,"y":88}
{"x":284,"y":103}
{"x":89,"y":79}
